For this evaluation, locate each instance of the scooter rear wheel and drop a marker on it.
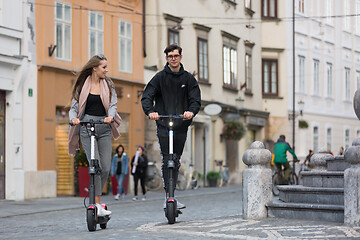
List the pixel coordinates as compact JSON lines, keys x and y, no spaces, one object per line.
{"x":170,"y":212}
{"x":90,"y":219}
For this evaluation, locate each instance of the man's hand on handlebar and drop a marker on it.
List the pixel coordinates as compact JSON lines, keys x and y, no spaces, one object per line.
{"x":154,"y":116}
{"x":188,"y":115}
{"x":75,"y":121}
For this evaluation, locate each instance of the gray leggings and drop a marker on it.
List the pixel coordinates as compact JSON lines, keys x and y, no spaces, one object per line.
{"x":102,"y":149}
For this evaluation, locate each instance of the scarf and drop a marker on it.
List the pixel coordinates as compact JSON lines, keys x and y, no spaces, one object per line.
{"x":74,"y":132}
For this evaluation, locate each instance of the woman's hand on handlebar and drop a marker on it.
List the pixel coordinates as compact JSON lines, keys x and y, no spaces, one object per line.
{"x":75,"y":121}
{"x":154,"y":116}
{"x":108,"y":119}
{"x":188,"y":115}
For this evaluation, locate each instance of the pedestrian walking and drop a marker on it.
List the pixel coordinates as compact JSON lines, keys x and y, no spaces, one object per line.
{"x":94,"y":98}
{"x":120,"y":168}
{"x":172,"y":91}
{"x":139,"y":164}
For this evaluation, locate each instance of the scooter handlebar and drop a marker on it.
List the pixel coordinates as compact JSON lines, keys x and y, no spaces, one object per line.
{"x":181,"y":116}
{"x":83,"y":123}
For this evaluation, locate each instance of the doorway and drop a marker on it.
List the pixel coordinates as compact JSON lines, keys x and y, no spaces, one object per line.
{"x":2,"y":145}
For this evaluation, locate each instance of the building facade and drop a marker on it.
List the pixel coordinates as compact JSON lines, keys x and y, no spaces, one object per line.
{"x":326,"y":57}
{"x":222,"y":50}
{"x":68,"y":33}
{"x":17,"y":98}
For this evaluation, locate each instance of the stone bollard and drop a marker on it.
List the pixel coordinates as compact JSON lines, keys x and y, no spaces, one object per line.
{"x":319,"y":159}
{"x":352,"y":185}
{"x":256,"y":181}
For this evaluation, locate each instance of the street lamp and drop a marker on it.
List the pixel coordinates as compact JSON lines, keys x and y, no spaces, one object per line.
{"x":301,"y":105}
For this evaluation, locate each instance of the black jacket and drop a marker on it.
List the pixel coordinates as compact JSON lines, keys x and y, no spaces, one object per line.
{"x":142,"y":165}
{"x":173,"y":93}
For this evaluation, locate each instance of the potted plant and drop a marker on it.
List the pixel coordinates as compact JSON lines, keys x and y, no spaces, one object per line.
{"x":233,"y":130}
{"x":212,"y":178}
{"x":81,"y":171}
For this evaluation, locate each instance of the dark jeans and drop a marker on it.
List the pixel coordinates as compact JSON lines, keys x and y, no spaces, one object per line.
{"x":179,"y":139}
{"x":142,"y":178}
{"x":286,"y":170}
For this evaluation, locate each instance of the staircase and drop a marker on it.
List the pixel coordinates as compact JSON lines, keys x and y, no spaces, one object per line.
{"x":321,"y":197}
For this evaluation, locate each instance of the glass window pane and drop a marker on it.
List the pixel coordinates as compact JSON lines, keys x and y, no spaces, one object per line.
{"x":273,"y":78}
{"x":92,"y":19}
{"x":122,"y":54}
{"x":100,"y":22}
{"x":59,"y":42}
{"x":59,"y":11}
{"x":272,"y":8}
{"x":129,"y":56}
{"x":265,"y":7}
{"x":266,"y":77}
{"x":67,"y":13}
{"x":128,"y":30}
{"x":100,"y":43}
{"x":67,"y":42}
{"x":122,"y":28}
{"x":92,"y":43}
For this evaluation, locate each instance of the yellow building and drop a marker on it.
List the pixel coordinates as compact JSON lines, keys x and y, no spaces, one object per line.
{"x":68,"y":33}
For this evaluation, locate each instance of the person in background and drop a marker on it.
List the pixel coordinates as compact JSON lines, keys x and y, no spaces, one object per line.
{"x":94,"y":98}
{"x":280,"y":149}
{"x":307,"y":162}
{"x":138,"y":170}
{"x":341,"y":152}
{"x":120,"y":167}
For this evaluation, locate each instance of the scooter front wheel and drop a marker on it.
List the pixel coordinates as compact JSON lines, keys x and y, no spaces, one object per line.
{"x":90,"y":219}
{"x":170,"y":212}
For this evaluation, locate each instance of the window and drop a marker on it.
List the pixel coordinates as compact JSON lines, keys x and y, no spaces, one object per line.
{"x":248,"y":4}
{"x":316,"y":76}
{"x":329,"y":79}
{"x":347,"y":138}
{"x":347,"y":84}
{"x":357,"y":18}
{"x":248,"y":72}
{"x":329,"y":11}
{"x":358,"y":79}
{"x":203,"y":60}
{"x":301,"y":7}
{"x":328,"y":138}
{"x":316,"y":138}
{"x":96,"y":33}
{"x":173,"y":37}
{"x":347,"y":18}
{"x":270,"y":77}
{"x":125,"y":46}
{"x":63,"y":31}
{"x":301,"y":74}
{"x":230,"y":66}
{"x":269,"y":8}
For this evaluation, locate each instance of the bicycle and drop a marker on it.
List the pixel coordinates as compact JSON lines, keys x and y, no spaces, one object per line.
{"x":153,"y":177}
{"x":224,"y":172}
{"x":279,"y":179}
{"x":187,"y":179}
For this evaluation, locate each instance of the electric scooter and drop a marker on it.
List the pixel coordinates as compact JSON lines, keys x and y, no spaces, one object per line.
{"x":92,"y":218}
{"x":171,"y":211}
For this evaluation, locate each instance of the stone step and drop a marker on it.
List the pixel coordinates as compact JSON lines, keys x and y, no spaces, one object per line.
{"x":320,"y":212}
{"x":315,"y":195}
{"x":315,"y":178}
{"x":337,"y":163}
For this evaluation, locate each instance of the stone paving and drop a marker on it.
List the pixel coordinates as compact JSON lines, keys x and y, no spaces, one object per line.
{"x":211,"y":213}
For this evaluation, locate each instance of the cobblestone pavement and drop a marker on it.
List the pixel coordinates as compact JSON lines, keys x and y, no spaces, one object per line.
{"x":211,"y":213}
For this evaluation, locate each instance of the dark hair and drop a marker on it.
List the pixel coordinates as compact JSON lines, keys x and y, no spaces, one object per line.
{"x":282,"y":137}
{"x":117,"y":149}
{"x":85,"y":72}
{"x":171,"y":48}
{"x":142,"y":148}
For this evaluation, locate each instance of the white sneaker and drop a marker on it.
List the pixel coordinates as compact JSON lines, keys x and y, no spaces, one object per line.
{"x":101,"y":211}
{"x":134,"y":198}
{"x":179,"y":205}
{"x":143,"y":198}
{"x":117,"y":196}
